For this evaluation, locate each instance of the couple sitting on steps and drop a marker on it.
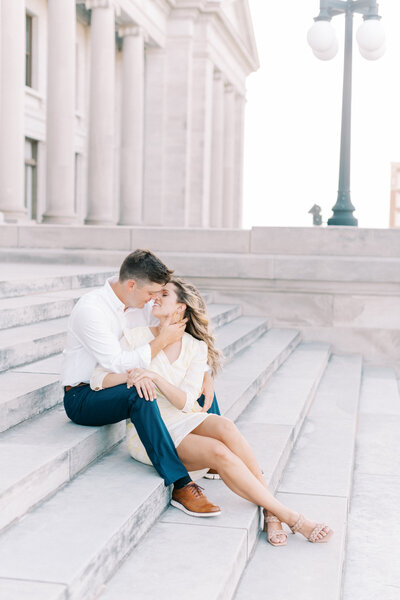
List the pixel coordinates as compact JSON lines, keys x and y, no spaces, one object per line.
{"x":140,"y":348}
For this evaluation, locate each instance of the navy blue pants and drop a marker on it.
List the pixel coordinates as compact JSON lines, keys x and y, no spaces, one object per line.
{"x":112,"y":405}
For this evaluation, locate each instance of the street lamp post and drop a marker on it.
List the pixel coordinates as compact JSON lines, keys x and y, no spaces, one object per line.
{"x":371,"y":41}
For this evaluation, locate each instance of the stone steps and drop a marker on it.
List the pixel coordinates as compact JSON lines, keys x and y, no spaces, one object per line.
{"x":59,"y":449}
{"x":372,"y":557}
{"x":213,"y":553}
{"x":109,"y":522}
{"x":25,"y":396}
{"x":29,"y":343}
{"x":318,"y":482}
{"x":25,"y":310}
{"x":43,"y":281}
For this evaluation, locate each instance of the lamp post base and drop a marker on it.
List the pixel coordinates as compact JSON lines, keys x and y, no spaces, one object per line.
{"x":343,"y":219}
{"x":343,"y":211}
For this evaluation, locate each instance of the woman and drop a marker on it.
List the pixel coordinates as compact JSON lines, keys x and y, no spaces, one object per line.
{"x":202,"y":440}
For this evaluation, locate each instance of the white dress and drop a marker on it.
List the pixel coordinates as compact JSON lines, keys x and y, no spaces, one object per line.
{"x":186,"y":373}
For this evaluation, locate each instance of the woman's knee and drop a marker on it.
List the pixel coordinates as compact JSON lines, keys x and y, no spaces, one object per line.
{"x":222,"y":454}
{"x":226,"y":429}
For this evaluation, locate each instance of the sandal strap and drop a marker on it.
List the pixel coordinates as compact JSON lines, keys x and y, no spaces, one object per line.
{"x":271,"y":519}
{"x":299,"y":524}
{"x":277,"y":532}
{"x":316,"y":531}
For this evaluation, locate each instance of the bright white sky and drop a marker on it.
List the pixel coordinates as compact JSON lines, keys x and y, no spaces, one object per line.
{"x":293,"y":119}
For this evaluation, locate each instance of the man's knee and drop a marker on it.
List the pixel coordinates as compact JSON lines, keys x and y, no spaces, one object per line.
{"x":138,"y":403}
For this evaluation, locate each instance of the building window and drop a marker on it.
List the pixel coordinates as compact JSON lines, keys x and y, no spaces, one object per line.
{"x":28,"y":50}
{"x":31,"y":178}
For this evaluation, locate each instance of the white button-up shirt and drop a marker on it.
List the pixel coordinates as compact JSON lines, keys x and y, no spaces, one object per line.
{"x":94,"y":332}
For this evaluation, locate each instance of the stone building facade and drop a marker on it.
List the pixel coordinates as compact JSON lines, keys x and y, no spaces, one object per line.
{"x":124,"y":111}
{"x":394,"y":215}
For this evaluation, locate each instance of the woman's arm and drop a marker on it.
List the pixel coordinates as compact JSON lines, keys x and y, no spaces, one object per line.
{"x":113,"y":379}
{"x":186,"y":395}
{"x":102,"y":379}
{"x":176,"y":396}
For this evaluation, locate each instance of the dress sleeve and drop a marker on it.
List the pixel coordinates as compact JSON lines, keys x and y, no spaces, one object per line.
{"x":193,"y":379}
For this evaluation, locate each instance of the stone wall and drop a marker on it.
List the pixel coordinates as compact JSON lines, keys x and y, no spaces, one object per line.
{"x":340,"y":285}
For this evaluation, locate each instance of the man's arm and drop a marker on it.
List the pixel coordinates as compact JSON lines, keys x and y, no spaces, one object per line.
{"x":169,"y":333}
{"x":90,"y":325}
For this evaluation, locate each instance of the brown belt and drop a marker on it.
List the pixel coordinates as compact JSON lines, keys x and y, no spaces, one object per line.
{"x":69,"y":387}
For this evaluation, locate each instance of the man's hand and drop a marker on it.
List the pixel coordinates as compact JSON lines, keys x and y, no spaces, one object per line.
{"x":143,"y":383}
{"x":172,"y":332}
{"x":208,"y":391}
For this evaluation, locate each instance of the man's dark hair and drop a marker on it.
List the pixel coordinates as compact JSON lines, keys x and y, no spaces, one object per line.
{"x":145,"y":266}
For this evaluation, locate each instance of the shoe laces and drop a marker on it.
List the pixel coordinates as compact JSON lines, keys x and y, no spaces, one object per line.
{"x":195,"y":489}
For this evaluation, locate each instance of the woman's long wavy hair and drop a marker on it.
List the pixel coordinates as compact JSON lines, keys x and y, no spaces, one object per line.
{"x":198,"y":324}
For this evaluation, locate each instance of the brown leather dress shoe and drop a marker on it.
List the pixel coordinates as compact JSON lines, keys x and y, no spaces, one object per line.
{"x":193,"y":502}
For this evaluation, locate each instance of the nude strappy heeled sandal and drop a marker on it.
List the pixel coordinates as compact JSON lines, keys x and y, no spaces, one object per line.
{"x":272,"y":519}
{"x":313,"y":537}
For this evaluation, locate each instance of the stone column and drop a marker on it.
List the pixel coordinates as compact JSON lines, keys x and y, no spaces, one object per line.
{"x":229,"y":156}
{"x":132,"y":115}
{"x":217,"y":156}
{"x":178,"y":108}
{"x":200,"y":141}
{"x":60,"y":138}
{"x":12,"y":73}
{"x":240,"y":104}
{"x":154,"y":142}
{"x":101,"y":111}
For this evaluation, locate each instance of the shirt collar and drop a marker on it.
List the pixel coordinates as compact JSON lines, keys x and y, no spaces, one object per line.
{"x":111,"y":295}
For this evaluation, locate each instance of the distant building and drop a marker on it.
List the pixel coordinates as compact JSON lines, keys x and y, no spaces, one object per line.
{"x":395,"y":196}
{"x":124,"y":111}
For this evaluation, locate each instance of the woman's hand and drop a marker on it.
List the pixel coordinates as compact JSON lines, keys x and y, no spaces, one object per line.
{"x":142,"y":379}
{"x":136,"y":375}
{"x":208,"y":391}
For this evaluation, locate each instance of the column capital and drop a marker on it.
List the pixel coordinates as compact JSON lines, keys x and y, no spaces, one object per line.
{"x":132,"y":30}
{"x":218,"y":76}
{"x":229,"y":88}
{"x":90,"y":4}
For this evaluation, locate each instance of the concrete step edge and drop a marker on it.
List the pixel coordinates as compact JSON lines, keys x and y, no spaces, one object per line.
{"x":240,"y":402}
{"x":34,"y":308}
{"x":312,"y":578}
{"x":239,"y":547}
{"x":42,"y":285}
{"x":77,"y":589}
{"x":33,"y":344}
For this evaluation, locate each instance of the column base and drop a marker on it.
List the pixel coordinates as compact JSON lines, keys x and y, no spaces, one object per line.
{"x":13,"y":215}
{"x":61,"y":220}
{"x":99,"y":222}
{"x":130,"y":223}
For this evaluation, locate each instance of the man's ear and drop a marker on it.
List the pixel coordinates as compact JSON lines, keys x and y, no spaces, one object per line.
{"x":132,"y":284}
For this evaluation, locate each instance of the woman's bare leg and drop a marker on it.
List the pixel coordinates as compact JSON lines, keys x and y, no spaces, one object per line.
{"x":199,"y":452}
{"x":225,"y":430}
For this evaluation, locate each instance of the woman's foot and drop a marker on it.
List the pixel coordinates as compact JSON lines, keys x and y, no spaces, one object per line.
{"x":315,"y":532}
{"x":273,"y":528}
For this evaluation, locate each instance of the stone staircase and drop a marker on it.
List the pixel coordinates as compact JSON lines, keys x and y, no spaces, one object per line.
{"x":79,"y":519}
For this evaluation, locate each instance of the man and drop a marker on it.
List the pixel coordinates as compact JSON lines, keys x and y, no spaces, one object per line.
{"x":94,"y":331}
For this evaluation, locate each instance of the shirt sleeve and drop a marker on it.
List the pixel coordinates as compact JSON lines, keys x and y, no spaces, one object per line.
{"x":193,"y":379}
{"x":97,"y":378}
{"x":90,"y":326}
